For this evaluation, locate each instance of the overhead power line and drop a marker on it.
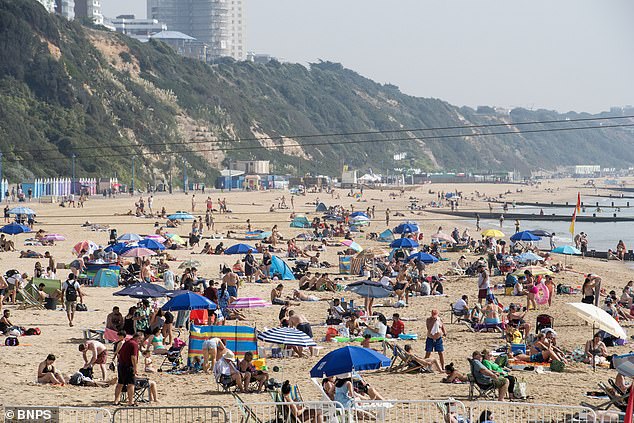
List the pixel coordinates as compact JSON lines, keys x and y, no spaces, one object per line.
{"x":351,"y":142}
{"x":334,"y":134}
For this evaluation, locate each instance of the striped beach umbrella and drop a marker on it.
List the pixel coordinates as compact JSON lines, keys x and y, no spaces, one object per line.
{"x":156,"y":237}
{"x":249,"y":302}
{"x":287,"y":336}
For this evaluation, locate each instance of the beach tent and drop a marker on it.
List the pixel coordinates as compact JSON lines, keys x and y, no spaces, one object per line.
{"x":239,"y":339}
{"x":386,"y":236}
{"x":321,"y":207}
{"x":280,"y":269}
{"x":300,"y":221}
{"x":106,"y":278}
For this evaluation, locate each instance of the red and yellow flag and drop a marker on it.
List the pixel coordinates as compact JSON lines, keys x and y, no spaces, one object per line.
{"x":572,"y":223}
{"x":578,"y":202}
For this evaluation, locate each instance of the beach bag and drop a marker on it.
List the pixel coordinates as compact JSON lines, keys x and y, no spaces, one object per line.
{"x":71,"y":292}
{"x":77,"y":379}
{"x":519,"y":390}
{"x":557,"y":366}
{"x":33,"y":331}
{"x":87,"y":372}
{"x":81,"y":307}
{"x":11,"y":341}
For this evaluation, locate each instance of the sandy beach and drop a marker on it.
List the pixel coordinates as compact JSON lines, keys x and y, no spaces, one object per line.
{"x":18,"y":364}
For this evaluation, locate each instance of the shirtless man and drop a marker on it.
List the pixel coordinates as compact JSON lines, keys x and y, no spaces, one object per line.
{"x":304,"y":282}
{"x":299,"y":322}
{"x":231,"y":279}
{"x":99,"y":355}
{"x":276,"y":295}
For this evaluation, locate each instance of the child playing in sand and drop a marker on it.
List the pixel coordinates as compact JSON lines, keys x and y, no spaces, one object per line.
{"x":147,"y":360}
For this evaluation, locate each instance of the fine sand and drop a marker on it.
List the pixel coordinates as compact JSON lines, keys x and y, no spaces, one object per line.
{"x":18,"y":364}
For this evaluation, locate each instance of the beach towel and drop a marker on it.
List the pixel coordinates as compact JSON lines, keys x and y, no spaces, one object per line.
{"x":239,"y":339}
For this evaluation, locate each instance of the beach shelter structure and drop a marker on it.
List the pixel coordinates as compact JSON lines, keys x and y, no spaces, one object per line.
{"x":567,"y":250}
{"x":240,"y":249}
{"x":189,"y":301}
{"x":179,"y":215}
{"x":535,"y":270}
{"x":386,"y":236}
{"x":119,"y":247}
{"x":138,"y":252}
{"x":300,"y":221}
{"x":359,"y":214}
{"x":142,"y":290}
{"x":85,"y":247}
{"x":598,"y":318}
{"x":151,"y":244}
{"x":493,"y":233}
{"x":441,"y":236}
{"x":321,"y":207}
{"x":280,"y":269}
{"x":106,"y":278}
{"x":239,"y":339}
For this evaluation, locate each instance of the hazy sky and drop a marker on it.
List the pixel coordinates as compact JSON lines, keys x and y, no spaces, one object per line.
{"x":555,"y":54}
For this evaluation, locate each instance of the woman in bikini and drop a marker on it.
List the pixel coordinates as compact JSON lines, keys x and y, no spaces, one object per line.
{"x":46,"y":372}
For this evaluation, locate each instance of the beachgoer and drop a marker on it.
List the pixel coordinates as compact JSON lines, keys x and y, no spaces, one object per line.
{"x":47,"y":373}
{"x":127,"y":368}
{"x":71,"y":292}
{"x":485,"y":376}
{"x":435,"y":332}
{"x":99,"y":355}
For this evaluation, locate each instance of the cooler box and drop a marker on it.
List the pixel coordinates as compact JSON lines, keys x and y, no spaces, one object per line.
{"x":518,"y":348}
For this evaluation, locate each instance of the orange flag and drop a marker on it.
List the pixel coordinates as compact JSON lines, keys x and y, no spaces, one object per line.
{"x":572,"y":223}
{"x":578,"y":202}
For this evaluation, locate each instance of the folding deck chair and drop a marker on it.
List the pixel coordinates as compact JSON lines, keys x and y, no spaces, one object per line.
{"x":477,"y":390}
{"x":247,"y":415}
{"x":141,"y":390}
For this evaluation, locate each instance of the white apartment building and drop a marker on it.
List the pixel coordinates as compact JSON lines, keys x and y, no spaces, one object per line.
{"x":65,"y":8}
{"x":218,"y":23}
{"x":90,"y":9}
{"x":49,"y":5}
{"x":141,"y":29}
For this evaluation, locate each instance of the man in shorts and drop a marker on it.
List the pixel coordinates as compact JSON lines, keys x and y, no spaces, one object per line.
{"x":99,"y":355}
{"x":127,"y":361}
{"x":70,"y":293}
{"x":435,"y":332}
{"x":483,"y":283}
{"x":300,"y":323}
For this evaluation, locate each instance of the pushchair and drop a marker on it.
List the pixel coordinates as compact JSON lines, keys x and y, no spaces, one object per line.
{"x":173,"y":359}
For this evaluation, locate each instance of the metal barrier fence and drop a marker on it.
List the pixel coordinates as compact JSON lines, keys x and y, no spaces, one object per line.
{"x":522,"y":412}
{"x":610,"y":416}
{"x":196,"y":414}
{"x":287,"y":412}
{"x":58,"y":414}
{"x":406,"y":411}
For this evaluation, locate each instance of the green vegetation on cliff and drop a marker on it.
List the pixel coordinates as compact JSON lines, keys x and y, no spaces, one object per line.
{"x":67,"y":89}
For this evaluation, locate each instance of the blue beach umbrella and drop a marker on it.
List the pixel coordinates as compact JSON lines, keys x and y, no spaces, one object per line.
{"x":424,"y":257}
{"x":404,"y":243}
{"x":239,"y":249}
{"x":119,"y":247}
{"x":348,"y":359}
{"x":369,"y":289}
{"x":151,"y":244}
{"x":129,"y":237}
{"x":359,"y":213}
{"x":189,"y":301}
{"x":524,"y":236}
{"x":180,"y":216}
{"x":14,"y":229}
{"x":406,"y":228}
{"x":22,"y":210}
{"x":568,"y":250}
{"x":142,"y":290}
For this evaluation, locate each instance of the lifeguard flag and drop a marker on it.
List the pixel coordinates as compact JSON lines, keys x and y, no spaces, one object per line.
{"x":578,"y":202}
{"x":630,"y":407}
{"x":572,"y":223}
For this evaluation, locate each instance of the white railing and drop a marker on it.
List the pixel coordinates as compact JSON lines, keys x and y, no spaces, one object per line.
{"x":524,"y":412}
{"x":414,"y":411}
{"x":56,"y":414}
{"x":198,"y":414}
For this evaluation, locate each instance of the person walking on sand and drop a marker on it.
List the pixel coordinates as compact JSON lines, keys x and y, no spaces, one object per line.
{"x":70,"y":293}
{"x":434,"y":342}
{"x":387,"y":217}
{"x":193,"y":203}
